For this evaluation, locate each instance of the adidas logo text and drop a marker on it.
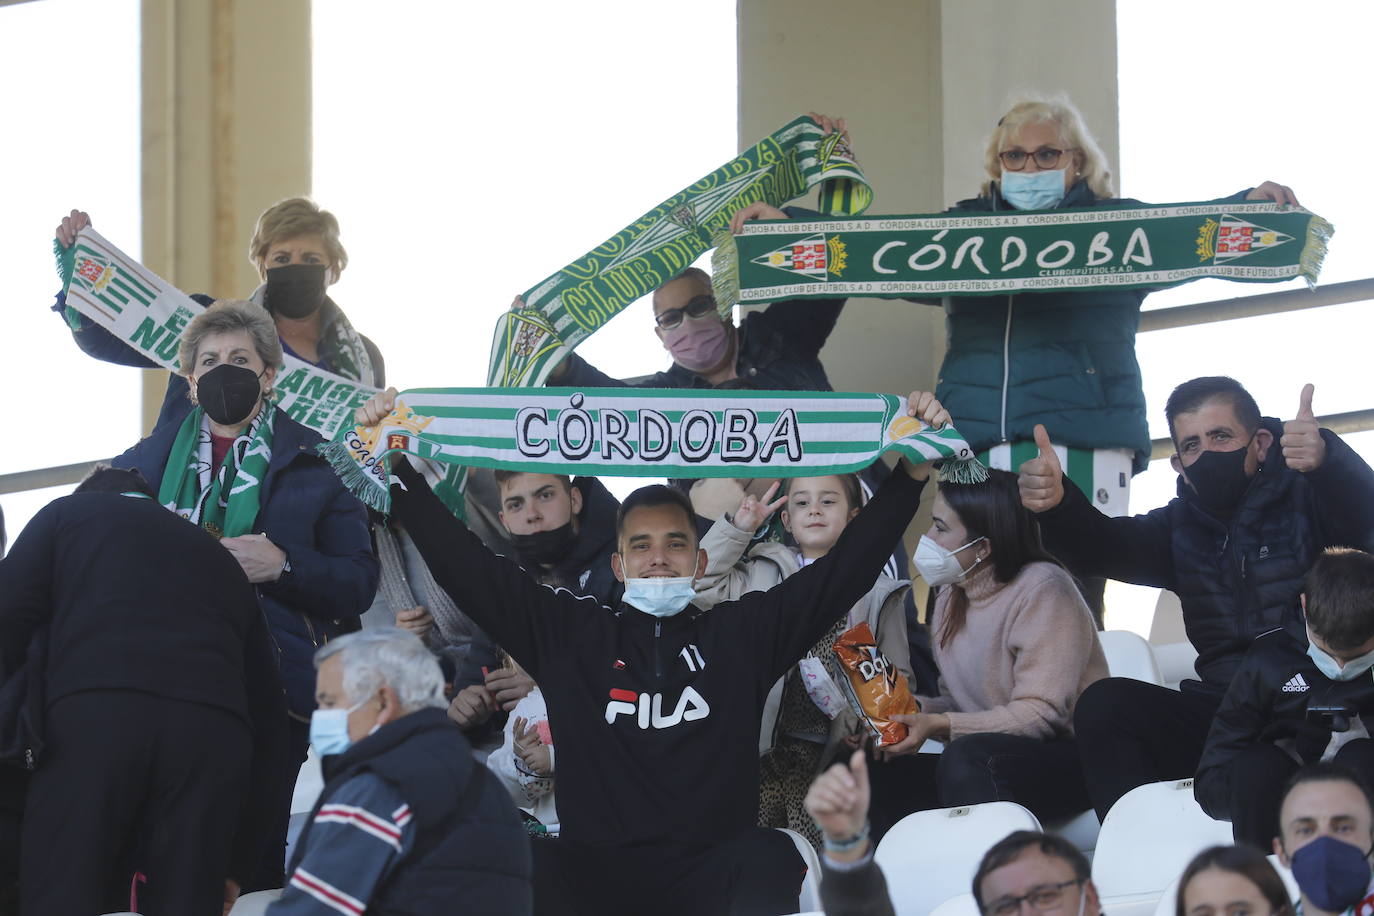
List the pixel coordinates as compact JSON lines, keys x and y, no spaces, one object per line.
{"x":1295,"y":684}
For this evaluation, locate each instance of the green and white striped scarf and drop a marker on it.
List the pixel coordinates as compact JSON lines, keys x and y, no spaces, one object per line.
{"x":225,"y":503}
{"x":642,"y":433}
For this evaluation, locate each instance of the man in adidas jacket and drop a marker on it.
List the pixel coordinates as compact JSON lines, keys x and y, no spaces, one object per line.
{"x":655,"y":705}
{"x":1299,"y":697}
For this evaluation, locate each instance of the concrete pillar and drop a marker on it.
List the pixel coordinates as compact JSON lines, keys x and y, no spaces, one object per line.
{"x":226,"y":132}
{"x":877,"y":64}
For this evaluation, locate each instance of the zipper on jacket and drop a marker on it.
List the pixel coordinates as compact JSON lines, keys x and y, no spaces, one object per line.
{"x":658,"y":656}
{"x":1006,"y":364}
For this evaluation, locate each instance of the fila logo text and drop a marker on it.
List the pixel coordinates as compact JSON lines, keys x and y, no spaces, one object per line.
{"x":648,"y":708}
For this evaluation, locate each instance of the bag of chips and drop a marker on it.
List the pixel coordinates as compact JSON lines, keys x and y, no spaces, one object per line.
{"x":876,"y":689}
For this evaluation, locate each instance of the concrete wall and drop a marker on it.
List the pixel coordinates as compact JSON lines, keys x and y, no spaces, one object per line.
{"x":226,"y":133}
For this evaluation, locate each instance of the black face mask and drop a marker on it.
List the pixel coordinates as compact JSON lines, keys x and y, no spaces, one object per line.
{"x":295,"y":290}
{"x":547,"y":548}
{"x":228,"y":393}
{"x":1218,"y":478}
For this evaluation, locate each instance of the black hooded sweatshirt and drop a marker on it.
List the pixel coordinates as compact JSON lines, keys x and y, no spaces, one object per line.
{"x":655,"y":721}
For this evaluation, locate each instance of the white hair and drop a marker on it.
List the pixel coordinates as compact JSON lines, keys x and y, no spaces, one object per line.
{"x":387,"y":656}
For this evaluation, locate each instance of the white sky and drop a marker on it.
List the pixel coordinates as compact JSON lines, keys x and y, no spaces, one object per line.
{"x":474,"y":149}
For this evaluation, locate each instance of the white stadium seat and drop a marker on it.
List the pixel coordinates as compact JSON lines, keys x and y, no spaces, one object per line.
{"x":1176,"y":662}
{"x":1081,"y":830}
{"x":930,"y":856}
{"x":811,"y":884}
{"x":963,"y":905}
{"x":309,"y":784}
{"x":1128,"y":655}
{"x":1147,"y":839}
{"x":254,"y":904}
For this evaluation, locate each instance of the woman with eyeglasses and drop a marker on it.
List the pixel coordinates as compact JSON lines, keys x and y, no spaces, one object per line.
{"x":1232,"y":881}
{"x":1063,"y":358}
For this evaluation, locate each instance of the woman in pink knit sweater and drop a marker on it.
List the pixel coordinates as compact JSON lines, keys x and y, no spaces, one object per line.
{"x":1015,"y":645}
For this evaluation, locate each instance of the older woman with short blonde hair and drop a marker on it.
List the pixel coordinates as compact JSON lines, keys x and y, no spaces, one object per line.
{"x":228,"y":460}
{"x":1063,"y":358}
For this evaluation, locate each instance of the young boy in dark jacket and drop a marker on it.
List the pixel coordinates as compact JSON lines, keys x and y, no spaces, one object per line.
{"x":1298,"y":698}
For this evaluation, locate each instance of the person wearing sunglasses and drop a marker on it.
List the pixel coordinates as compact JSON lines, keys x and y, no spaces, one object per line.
{"x":1061,"y":355}
{"x":774,"y":348}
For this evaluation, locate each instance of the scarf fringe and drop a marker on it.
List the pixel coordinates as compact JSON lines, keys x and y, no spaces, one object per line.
{"x":355,"y":477}
{"x":66,"y":266}
{"x":1319,"y":232}
{"x":725,"y":272}
{"x":965,"y":472}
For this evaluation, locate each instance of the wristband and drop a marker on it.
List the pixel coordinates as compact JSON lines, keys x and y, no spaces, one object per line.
{"x":847,"y":844}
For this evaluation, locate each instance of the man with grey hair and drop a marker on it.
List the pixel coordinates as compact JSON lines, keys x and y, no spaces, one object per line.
{"x":408,"y":821}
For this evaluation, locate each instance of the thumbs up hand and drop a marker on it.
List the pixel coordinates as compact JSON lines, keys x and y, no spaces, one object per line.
{"x":1304,"y":449}
{"x":1041,"y":479}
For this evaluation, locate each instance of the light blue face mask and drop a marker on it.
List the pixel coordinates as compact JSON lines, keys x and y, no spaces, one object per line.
{"x":1033,"y":190}
{"x":662,"y":596}
{"x":1333,"y":669}
{"x":329,"y":730}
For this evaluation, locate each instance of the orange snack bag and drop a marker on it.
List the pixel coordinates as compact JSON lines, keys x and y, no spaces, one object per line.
{"x":876,"y":689}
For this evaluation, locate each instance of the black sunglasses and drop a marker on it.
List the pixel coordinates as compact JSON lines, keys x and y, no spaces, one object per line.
{"x":696,"y":308}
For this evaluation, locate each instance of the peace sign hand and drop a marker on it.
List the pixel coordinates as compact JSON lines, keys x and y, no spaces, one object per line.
{"x":752,"y":512}
{"x":1304,"y":449}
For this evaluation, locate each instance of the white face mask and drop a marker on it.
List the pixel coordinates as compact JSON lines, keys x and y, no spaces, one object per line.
{"x":939,"y":565}
{"x":660,"y":596}
{"x":1332,"y":668}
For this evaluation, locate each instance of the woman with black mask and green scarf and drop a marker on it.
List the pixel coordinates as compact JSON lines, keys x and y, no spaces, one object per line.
{"x":298,"y":255}
{"x":229,"y":461}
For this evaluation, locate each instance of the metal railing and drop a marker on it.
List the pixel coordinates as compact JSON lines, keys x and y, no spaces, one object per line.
{"x":1289,"y":300}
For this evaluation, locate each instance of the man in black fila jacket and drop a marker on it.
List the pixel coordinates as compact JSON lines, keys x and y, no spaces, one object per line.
{"x":1298,"y":698}
{"x":654,"y":705}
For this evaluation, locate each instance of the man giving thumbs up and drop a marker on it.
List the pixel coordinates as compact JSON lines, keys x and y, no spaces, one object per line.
{"x":1258,"y":500}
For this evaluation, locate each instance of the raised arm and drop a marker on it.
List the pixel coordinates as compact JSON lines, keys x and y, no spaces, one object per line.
{"x":521,"y":615}
{"x":1341,"y":480}
{"x":732,"y":568}
{"x":1135,"y":549}
{"x":787,"y":620}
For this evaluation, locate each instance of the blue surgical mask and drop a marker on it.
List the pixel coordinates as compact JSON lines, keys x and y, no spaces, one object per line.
{"x":1332,"y":668}
{"x":662,"y":596}
{"x":1332,"y":874}
{"x":329,"y":730}
{"x":1033,"y":190}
